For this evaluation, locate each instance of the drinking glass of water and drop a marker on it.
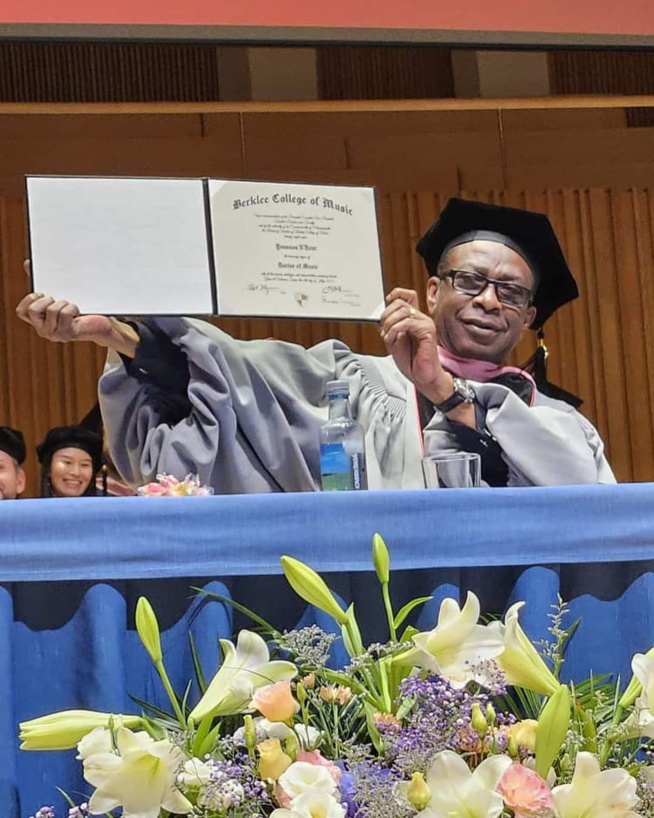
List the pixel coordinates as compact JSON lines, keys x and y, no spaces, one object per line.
{"x":454,"y":470}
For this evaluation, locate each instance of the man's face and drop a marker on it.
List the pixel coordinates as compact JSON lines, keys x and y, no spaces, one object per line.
{"x":12,"y":478}
{"x":480,"y":326}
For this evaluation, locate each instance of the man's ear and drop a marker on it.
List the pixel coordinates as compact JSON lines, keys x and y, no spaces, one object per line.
{"x":530,"y":314}
{"x":20,"y":481}
{"x":432,"y":290}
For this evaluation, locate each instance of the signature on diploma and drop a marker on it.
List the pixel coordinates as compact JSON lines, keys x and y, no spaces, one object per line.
{"x":266,"y":289}
{"x":337,"y":294}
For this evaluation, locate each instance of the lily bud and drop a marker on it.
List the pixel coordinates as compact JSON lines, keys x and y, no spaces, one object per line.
{"x":301,"y":692}
{"x":249,"y":733}
{"x":64,"y":730}
{"x":148,"y":629}
{"x":552,"y":729}
{"x":478,"y":721}
{"x":490,"y":714}
{"x":312,"y":588}
{"x":381,"y":559}
{"x":418,"y":793}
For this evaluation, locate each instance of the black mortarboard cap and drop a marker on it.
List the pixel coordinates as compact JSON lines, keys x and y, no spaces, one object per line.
{"x":13,"y":443}
{"x":528,"y":233}
{"x":77,"y":437}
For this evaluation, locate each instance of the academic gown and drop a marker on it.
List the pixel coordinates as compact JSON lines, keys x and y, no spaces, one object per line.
{"x":245,"y":416}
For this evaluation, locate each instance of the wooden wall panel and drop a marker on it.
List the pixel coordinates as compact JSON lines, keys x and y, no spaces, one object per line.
{"x":107,"y":72}
{"x":617,"y":157}
{"x":393,"y":150}
{"x":384,"y":72}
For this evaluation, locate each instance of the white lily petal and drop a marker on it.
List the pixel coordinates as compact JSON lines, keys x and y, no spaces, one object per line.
{"x":251,"y":648}
{"x":447,"y":768}
{"x":594,"y":793}
{"x":643,"y":668}
{"x":457,"y":792}
{"x":491,"y":770}
{"x":457,"y":645}
{"x":245,"y":668}
{"x":141,"y":779}
{"x":99,"y":803}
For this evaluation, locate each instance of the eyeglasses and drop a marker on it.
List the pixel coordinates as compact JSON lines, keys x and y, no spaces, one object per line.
{"x":470,"y":283}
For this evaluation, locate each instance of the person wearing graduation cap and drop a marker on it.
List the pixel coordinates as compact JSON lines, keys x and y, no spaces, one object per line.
{"x":70,"y":458}
{"x":494,"y":272}
{"x":181,"y":396}
{"x":12,"y":457}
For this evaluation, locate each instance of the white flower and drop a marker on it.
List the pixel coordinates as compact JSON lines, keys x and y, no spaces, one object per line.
{"x":459,"y":793}
{"x":314,"y":804}
{"x":245,"y":668}
{"x":140,"y":778}
{"x":97,"y":741}
{"x":274,"y":729}
{"x":196,"y":773}
{"x":520,"y":661}
{"x":594,"y":793}
{"x":457,"y":644}
{"x":303,"y":777}
{"x":642,"y":721}
{"x":308,"y":736}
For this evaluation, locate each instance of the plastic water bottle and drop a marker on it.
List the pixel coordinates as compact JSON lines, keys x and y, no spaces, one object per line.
{"x":342,"y":446}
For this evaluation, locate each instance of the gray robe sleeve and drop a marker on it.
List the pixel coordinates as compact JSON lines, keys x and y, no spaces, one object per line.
{"x":256,"y":408}
{"x":547,"y":444}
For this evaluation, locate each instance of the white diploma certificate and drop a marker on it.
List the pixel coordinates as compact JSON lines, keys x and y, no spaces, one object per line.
{"x":144,"y":246}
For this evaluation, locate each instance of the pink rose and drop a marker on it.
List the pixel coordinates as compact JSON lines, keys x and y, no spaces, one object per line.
{"x":152,"y":490}
{"x":314,"y":757}
{"x":525,"y":792}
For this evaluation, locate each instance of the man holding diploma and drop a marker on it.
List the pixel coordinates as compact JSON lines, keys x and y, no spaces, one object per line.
{"x":180,"y":396}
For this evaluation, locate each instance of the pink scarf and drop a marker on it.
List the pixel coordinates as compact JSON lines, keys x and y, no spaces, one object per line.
{"x":475,"y":370}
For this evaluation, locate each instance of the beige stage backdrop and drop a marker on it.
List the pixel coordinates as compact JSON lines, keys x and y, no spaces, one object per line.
{"x":577,"y":160}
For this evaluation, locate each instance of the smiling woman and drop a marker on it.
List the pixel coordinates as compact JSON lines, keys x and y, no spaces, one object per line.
{"x":70,"y":457}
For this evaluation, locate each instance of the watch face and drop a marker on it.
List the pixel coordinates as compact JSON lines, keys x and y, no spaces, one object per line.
{"x":464,"y":389}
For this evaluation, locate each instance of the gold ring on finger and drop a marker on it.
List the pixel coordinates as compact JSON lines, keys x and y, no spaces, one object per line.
{"x":412,"y":312}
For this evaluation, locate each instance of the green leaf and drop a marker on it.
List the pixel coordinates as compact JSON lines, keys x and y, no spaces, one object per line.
{"x":373,"y":732}
{"x":406,"y":610}
{"x":266,"y":626}
{"x":201,"y":734}
{"x":409,"y":633}
{"x":197,"y":667}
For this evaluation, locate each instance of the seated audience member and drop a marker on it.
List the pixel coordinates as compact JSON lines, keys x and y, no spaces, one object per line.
{"x":70,"y":458}
{"x":179,"y":395}
{"x":12,"y":457}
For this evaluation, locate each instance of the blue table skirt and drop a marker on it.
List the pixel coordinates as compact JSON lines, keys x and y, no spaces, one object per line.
{"x":71,"y":572}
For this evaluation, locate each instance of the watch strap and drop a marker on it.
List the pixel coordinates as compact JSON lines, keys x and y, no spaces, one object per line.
{"x":460,"y":395}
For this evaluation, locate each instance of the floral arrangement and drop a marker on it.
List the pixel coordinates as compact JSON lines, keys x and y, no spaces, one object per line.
{"x":168,"y":486}
{"x":466,"y":720}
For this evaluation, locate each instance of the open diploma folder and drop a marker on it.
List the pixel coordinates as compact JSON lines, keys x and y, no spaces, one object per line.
{"x":130,"y":246}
